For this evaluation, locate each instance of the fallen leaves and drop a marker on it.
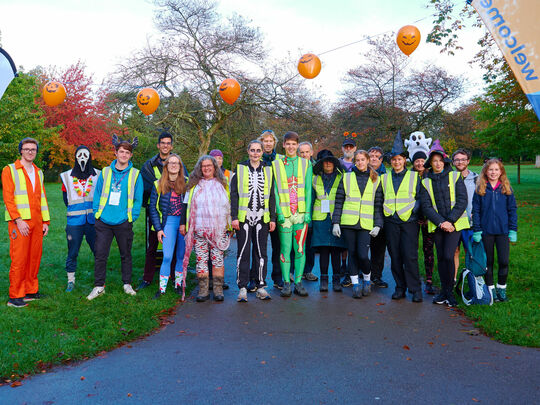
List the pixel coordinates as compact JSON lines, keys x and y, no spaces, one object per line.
{"x":16,"y":384}
{"x":83,"y":378}
{"x":406,"y":347}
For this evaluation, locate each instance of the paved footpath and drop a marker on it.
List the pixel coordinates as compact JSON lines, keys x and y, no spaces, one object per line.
{"x":326,"y":348}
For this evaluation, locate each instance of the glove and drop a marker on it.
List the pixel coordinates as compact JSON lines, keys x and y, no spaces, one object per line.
{"x":307,"y":218}
{"x":375,"y":231}
{"x":336,"y":230}
{"x":477,"y":236}
{"x":512,"y":235}
{"x":280,"y":218}
{"x":286,"y":223}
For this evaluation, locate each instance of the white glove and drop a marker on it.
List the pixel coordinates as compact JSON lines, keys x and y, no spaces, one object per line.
{"x":375,"y":231}
{"x":287,"y":223}
{"x":336,"y":231}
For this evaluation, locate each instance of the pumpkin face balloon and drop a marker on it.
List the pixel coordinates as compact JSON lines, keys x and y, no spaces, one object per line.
{"x":408,"y":39}
{"x":229,"y":90}
{"x":309,"y":66}
{"x":54,"y":93}
{"x":148,"y":100}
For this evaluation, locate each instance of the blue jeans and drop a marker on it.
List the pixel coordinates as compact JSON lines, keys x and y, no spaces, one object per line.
{"x":172,"y":238}
{"x":74,"y":236}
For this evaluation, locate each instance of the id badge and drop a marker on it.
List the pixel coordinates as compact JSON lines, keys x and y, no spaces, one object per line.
{"x":325,"y":206}
{"x":114,"y":197}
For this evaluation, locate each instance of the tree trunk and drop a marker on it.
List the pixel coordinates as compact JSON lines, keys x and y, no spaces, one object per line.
{"x":537,"y":161}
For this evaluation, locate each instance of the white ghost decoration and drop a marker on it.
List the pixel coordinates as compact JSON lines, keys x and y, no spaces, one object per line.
{"x":82,"y":156}
{"x":417,"y":142}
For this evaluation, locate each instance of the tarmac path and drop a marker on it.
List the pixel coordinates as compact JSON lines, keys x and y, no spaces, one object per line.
{"x":324,"y":349}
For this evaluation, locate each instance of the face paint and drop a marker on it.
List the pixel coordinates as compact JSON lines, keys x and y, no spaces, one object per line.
{"x":82,"y":157}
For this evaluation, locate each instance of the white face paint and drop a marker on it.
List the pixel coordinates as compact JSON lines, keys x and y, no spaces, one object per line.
{"x":82,"y":156}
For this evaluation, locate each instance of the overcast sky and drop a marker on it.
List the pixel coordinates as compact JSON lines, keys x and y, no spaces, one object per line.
{"x":102,"y":33}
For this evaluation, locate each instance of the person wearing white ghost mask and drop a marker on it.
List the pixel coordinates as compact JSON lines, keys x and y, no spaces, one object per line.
{"x":78,"y":191}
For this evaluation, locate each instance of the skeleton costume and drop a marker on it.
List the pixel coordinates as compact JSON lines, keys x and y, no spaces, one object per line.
{"x":78,"y":191}
{"x":254,"y":211}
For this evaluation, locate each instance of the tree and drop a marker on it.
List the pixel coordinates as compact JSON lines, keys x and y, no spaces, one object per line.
{"x":196,"y":51}
{"x":21,"y":117}
{"x":512,"y":129}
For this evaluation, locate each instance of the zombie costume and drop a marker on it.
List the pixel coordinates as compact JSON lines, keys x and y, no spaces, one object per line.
{"x":78,"y":185}
{"x":253,"y":205}
{"x":294,"y":177}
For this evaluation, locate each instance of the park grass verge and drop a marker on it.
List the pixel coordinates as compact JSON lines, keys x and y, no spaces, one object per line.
{"x":64,"y":327}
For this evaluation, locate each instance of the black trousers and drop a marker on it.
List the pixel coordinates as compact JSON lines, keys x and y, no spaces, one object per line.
{"x":276,"y":251}
{"x":402,"y":242}
{"x":325,"y":253}
{"x":503,"y":256}
{"x":123,"y":233}
{"x":252,"y":241}
{"x":358,"y":247}
{"x":446,"y":244}
{"x":378,"y":250}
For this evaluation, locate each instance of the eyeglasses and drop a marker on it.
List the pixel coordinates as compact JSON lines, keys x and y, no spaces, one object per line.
{"x":165,"y":143}
{"x":29,"y":150}
{"x":460,"y":160}
{"x":173,"y":164}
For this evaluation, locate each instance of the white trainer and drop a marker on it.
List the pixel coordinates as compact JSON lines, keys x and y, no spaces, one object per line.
{"x":96,"y":292}
{"x":262,"y":294}
{"x":128,"y":289}
{"x":242,"y":295}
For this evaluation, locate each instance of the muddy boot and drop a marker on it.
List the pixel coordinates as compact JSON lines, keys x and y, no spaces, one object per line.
{"x":204,"y":295}
{"x":218,"y":288}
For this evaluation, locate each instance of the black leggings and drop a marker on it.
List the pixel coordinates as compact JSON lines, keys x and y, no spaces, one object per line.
{"x":358,"y":247}
{"x":327,"y":252}
{"x":446,"y":244}
{"x":503,"y":253}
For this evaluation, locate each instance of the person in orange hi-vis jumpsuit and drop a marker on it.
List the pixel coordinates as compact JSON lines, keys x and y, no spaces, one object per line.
{"x":27,"y":213}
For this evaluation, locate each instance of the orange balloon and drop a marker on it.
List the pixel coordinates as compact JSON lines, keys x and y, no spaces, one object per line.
{"x":229,"y":90}
{"x":309,"y":66}
{"x":408,"y":39}
{"x":54,"y":93}
{"x":148,"y":100}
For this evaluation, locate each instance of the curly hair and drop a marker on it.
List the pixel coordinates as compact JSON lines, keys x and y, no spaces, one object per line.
{"x":197,"y":175}
{"x":483,"y":179}
{"x":179,"y":186}
{"x":372,"y":173}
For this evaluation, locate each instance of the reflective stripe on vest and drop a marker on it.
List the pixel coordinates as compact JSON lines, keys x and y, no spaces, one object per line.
{"x":157,"y":173}
{"x":132,"y":180}
{"x":318,"y":186}
{"x":71,"y":210}
{"x":453,"y":177}
{"x":403,"y":202}
{"x":357,"y":206}
{"x":283,"y":186}
{"x":21,"y":195}
{"x":242,"y":174}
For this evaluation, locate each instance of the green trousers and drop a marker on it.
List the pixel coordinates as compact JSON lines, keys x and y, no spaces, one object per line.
{"x":288,"y":237}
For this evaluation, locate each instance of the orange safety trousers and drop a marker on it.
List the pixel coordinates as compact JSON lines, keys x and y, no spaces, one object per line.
{"x":25,"y":253}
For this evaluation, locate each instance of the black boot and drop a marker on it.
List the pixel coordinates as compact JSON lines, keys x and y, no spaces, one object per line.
{"x":336,"y":285}
{"x":324,"y":284}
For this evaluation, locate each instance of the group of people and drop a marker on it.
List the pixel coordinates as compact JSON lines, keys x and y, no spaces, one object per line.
{"x":349,"y":210}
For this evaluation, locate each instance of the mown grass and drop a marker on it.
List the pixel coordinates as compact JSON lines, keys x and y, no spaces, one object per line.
{"x":66,"y":326}
{"x":518,"y":320}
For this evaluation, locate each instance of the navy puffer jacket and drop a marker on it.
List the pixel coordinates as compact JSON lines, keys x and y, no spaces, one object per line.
{"x":164,"y":202}
{"x":494,"y":213}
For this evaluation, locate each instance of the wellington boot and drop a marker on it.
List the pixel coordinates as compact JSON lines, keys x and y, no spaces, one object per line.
{"x":218,"y":288}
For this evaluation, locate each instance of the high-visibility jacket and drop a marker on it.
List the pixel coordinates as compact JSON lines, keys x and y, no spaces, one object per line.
{"x":79,"y":208}
{"x":21,"y":194}
{"x":283,"y":185}
{"x":320,"y":195}
{"x":190,"y":196}
{"x":157,"y":173}
{"x":242,"y":176}
{"x":132,"y":180}
{"x":227,"y":174}
{"x":403,"y":202}
{"x":463,"y":220}
{"x":356,"y":205}
{"x":158,"y":200}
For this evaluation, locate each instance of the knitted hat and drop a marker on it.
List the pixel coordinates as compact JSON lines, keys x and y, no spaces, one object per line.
{"x":216,"y":152}
{"x":325,"y":155}
{"x":419,"y":155}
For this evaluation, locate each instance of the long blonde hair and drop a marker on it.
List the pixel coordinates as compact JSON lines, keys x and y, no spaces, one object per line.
{"x":372,"y":173}
{"x":483,"y":179}
{"x":179,"y":185}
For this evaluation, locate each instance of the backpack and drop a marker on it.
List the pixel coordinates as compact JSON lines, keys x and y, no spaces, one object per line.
{"x":477,"y":292}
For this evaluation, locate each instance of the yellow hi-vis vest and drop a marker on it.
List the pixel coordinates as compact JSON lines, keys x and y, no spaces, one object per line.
{"x":318,"y":186}
{"x":357,"y":205}
{"x":283,"y":185}
{"x":156,"y":185}
{"x":403,"y":202}
{"x":132,"y":180}
{"x":157,"y":173}
{"x":190,"y":196}
{"x":242,"y":174}
{"x":21,"y":195}
{"x":463,"y":220}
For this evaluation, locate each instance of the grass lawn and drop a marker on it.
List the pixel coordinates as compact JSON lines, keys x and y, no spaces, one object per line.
{"x":66,"y":326}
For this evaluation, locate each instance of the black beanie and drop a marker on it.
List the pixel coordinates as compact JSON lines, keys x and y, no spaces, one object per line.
{"x":419,"y":155}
